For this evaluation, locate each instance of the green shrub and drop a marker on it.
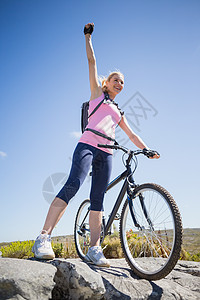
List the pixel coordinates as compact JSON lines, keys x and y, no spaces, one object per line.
{"x":70,"y":250}
{"x":18,"y":249}
{"x":195,"y":257}
{"x":23,"y":250}
{"x":66,"y":250}
{"x":191,"y":257}
{"x":111,"y":245}
{"x":58,"y":249}
{"x":184,"y":255}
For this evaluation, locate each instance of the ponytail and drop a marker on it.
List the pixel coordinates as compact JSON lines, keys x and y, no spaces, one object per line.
{"x":103,"y":80}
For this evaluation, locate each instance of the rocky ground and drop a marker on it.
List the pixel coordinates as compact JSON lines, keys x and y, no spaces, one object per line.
{"x":73,"y":279}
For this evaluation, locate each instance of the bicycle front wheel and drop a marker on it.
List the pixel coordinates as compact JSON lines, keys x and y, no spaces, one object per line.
{"x":151,"y":232}
{"x":82,"y":230}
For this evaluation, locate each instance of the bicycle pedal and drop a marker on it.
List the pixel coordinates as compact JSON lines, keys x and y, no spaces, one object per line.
{"x":80,"y":232}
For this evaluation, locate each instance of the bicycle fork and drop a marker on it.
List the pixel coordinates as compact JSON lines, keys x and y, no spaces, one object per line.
{"x":131,"y":197}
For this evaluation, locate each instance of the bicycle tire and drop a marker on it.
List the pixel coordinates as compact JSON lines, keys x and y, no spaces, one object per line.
{"x":82,"y":235}
{"x":160,"y":244}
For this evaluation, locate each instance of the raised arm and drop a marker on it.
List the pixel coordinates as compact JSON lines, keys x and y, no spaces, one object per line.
{"x":95,"y":87}
{"x":132,"y":136}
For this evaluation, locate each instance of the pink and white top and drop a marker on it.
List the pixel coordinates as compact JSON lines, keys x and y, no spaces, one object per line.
{"x":103,"y":120}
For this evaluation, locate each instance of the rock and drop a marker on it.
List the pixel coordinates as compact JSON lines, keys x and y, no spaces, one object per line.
{"x":76,"y":280}
{"x":119,"y":282}
{"x":25,"y":279}
{"x":73,"y":279}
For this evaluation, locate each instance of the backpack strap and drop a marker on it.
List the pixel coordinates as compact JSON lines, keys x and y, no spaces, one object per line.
{"x":106,"y":97}
{"x":102,"y":135}
{"x":95,"y":109}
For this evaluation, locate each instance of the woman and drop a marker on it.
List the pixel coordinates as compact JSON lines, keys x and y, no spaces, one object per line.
{"x":88,"y":153}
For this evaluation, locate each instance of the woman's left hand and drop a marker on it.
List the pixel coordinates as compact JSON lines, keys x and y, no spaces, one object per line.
{"x":157,"y":155}
{"x":151,"y":153}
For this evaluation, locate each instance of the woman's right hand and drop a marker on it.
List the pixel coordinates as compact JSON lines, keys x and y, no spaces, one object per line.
{"x":88,"y":29}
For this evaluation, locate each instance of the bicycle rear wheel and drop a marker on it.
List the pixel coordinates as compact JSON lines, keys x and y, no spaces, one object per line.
{"x":153,"y":248}
{"x":82,"y":230}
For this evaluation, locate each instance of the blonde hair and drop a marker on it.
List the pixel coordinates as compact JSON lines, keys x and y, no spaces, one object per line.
{"x":103,"y":79}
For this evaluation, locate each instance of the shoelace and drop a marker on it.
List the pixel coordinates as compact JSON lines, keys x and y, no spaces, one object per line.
{"x":98,"y":252}
{"x":44,"y":239}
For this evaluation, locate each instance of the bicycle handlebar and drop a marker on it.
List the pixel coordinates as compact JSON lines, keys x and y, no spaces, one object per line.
{"x":148,"y":153}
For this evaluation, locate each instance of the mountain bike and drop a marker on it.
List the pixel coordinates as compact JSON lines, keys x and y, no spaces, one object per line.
{"x":150,"y":228}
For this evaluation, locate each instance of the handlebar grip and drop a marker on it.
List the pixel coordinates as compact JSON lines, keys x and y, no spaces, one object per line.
{"x":149,"y":153}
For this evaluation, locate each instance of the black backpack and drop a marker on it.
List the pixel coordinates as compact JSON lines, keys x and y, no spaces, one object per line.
{"x":85,"y":112}
{"x":85,"y":116}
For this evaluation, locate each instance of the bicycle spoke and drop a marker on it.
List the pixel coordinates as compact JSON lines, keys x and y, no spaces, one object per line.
{"x":155,"y":239}
{"x":82,"y":231}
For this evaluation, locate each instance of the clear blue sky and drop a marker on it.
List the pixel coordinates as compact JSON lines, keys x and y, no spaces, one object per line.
{"x":44,"y":80}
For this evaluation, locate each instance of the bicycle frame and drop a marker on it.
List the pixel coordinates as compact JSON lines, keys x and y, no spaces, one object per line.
{"x":130,"y":195}
{"x":127,"y":175}
{"x":120,"y":197}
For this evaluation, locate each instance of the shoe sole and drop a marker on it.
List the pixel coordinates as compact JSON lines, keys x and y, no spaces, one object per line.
{"x":44,"y":256}
{"x":47,"y":256}
{"x":93,"y":263}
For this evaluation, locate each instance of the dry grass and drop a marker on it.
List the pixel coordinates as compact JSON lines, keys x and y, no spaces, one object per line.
{"x":64,"y":246}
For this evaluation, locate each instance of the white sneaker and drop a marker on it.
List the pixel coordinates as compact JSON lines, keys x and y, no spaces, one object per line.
{"x":42,"y":248}
{"x":95,"y":256}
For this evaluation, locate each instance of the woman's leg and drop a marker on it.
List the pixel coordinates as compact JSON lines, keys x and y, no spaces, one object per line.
{"x":95,"y":220}
{"x":101,"y":171}
{"x":81,"y":163}
{"x":56,"y":211}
